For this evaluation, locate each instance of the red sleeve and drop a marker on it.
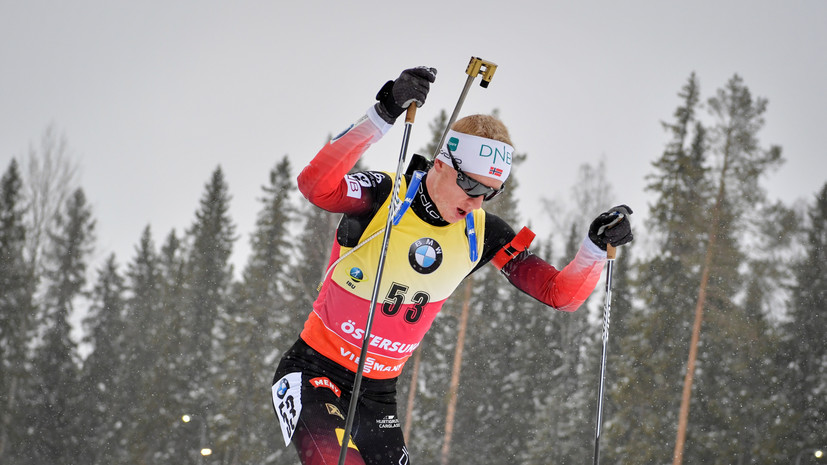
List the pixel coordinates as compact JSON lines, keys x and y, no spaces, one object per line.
{"x":564,"y":289}
{"x":323,"y":180}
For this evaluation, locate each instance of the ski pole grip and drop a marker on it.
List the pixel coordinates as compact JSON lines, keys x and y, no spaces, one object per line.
{"x":411,"y":113}
{"x":479,"y":66}
{"x":611,"y":251}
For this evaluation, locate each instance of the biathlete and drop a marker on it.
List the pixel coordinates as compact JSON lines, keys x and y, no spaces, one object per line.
{"x":444,"y":236}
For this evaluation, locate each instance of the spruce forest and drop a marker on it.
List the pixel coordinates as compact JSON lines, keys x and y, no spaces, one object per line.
{"x":177,"y":349}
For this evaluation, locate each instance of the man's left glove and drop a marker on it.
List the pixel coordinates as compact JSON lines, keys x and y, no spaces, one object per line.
{"x":612,"y":227}
{"x":411,"y":86}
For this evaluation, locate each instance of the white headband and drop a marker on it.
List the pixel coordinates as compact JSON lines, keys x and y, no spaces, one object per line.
{"x":478,"y":155}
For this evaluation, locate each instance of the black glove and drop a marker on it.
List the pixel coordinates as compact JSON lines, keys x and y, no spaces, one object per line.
{"x":411,"y":86}
{"x":612,"y":227}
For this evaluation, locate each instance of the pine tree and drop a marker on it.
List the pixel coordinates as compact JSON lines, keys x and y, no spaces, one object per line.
{"x":760,"y":353}
{"x":166,"y":398}
{"x":657,"y":333}
{"x":56,"y":404}
{"x":209,"y":271}
{"x":17,"y":307}
{"x":806,"y":381}
{"x":739,"y":164}
{"x":148,"y":351}
{"x":255,"y":328}
{"x":208,"y":281}
{"x":104,"y":369}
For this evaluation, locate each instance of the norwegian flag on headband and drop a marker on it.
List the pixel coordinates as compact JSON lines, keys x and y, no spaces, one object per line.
{"x":495,"y":171}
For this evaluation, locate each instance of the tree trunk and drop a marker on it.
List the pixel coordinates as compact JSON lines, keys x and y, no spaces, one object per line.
{"x":406,"y":430}
{"x":452,"y":400}
{"x":683,"y":417}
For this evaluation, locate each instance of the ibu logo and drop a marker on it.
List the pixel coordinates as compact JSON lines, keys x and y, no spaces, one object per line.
{"x":357,"y":275}
{"x":453,"y":143}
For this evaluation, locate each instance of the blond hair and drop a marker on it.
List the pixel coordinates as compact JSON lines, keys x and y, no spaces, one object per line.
{"x":483,"y":126}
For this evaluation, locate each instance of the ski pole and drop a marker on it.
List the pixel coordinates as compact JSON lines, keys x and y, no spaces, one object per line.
{"x":475,"y":67}
{"x":357,"y":382}
{"x":607,"y":310}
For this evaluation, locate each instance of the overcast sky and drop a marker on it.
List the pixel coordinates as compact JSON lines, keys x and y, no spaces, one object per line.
{"x":152,"y":96}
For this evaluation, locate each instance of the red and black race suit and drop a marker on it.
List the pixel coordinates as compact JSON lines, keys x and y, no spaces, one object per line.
{"x":425,"y":261}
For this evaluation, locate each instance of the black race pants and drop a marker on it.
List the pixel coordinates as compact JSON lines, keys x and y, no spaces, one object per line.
{"x":311,"y":395}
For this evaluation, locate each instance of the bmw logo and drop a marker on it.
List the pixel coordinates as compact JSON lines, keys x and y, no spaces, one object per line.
{"x":283,"y":387}
{"x":425,"y":255}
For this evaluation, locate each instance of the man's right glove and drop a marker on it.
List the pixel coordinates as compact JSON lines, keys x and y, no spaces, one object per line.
{"x":612,"y":227}
{"x":411,"y":86}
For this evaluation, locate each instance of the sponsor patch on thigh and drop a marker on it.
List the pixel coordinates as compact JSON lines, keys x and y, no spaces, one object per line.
{"x":287,"y":400}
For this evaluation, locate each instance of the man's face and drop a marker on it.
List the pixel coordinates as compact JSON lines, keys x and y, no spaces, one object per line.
{"x":451,"y":201}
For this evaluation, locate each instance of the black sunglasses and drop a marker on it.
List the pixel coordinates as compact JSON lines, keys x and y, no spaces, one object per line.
{"x":472,"y":187}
